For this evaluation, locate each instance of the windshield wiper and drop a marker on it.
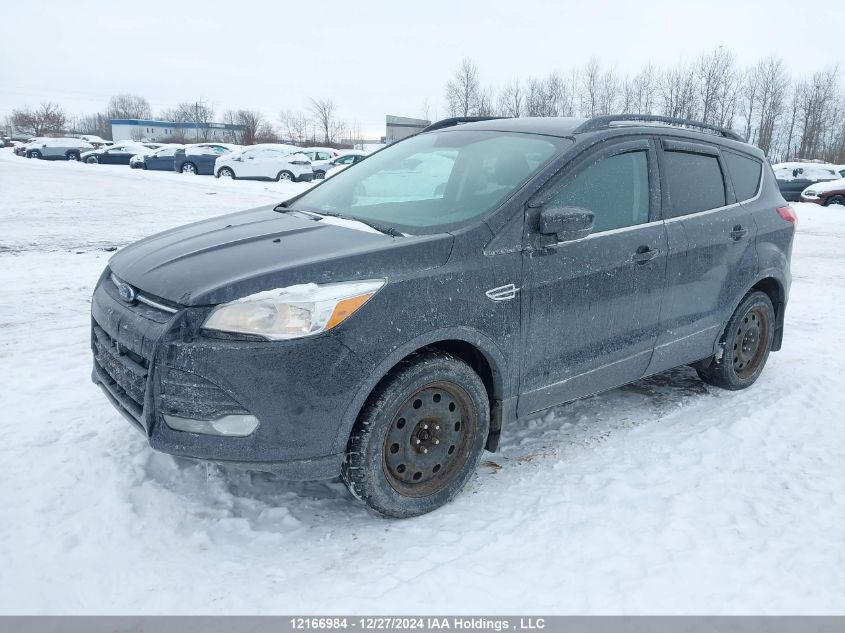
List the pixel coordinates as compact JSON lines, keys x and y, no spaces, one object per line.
{"x":317,"y":215}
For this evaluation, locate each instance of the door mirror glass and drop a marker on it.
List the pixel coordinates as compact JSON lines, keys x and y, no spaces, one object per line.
{"x":567,"y":223}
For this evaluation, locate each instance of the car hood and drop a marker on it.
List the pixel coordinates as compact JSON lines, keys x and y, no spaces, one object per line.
{"x":236,"y":255}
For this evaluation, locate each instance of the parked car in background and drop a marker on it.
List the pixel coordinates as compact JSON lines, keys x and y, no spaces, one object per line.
{"x":320,"y":158}
{"x":265,"y":162}
{"x":825,"y":193}
{"x":343,"y":161}
{"x":117,"y":154}
{"x":795,"y":177}
{"x":199,"y":158}
{"x":57,"y":148}
{"x":160,"y":159}
{"x":96,"y":141}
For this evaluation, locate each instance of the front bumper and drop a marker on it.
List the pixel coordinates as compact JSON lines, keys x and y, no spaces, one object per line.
{"x":150,"y":362}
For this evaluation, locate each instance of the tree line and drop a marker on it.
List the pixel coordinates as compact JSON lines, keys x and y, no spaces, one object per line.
{"x":787,"y":117}
{"x":317,"y":123}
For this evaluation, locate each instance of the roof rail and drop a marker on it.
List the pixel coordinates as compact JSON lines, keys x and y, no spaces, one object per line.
{"x":600,"y":122}
{"x":457,"y":120}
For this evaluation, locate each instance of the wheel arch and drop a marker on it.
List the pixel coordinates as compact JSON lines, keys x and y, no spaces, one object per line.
{"x":775,"y":289}
{"x":474,"y":348}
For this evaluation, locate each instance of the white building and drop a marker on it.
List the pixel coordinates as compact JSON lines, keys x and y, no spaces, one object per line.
{"x":142,"y":129}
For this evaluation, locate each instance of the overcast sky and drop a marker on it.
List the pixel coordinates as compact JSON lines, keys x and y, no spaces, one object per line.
{"x":372,"y":57}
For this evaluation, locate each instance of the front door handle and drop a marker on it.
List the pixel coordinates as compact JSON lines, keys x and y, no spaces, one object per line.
{"x":738,"y":233}
{"x":644,"y":254}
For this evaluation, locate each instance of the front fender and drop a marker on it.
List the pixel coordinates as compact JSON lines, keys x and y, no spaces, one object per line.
{"x":483,"y":343}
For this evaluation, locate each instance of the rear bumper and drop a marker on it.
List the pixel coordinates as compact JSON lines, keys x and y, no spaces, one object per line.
{"x":149,"y":364}
{"x":307,"y":177}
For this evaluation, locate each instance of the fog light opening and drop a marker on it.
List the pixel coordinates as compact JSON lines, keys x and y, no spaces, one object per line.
{"x":235,"y":425}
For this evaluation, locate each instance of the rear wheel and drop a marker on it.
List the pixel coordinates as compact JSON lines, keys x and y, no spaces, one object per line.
{"x":73,"y":155}
{"x":285,"y":175}
{"x":188,"y":168}
{"x":420,"y":436}
{"x":746,"y":343}
{"x":836,"y":200}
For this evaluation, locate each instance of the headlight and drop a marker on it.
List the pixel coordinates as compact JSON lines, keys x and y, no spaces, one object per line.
{"x":293,"y":312}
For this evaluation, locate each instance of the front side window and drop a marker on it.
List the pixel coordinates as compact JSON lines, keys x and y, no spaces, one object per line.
{"x":438,"y":180}
{"x":695,"y":183}
{"x":615,"y":189}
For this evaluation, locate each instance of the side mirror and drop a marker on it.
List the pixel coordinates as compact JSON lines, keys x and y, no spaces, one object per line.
{"x":567,"y":223}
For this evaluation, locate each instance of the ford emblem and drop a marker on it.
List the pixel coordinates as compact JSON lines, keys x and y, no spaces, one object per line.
{"x":126,"y":292}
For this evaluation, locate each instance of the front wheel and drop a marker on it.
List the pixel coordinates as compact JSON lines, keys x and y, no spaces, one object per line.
{"x":92,"y":160}
{"x":34,"y":154}
{"x":420,"y":436}
{"x":225,"y":172}
{"x":188,"y":168}
{"x":285,"y":175}
{"x":73,"y":155}
{"x":836,"y":200}
{"x":745,"y":344}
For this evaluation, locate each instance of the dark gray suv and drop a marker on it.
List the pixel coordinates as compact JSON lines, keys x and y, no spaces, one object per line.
{"x":388,"y":324}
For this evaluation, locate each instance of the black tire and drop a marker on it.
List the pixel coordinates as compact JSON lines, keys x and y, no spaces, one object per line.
{"x":33,"y":154}
{"x":225,"y":172}
{"x":286,"y":175}
{"x":92,"y":160}
{"x":73,"y":155}
{"x":320,"y":174}
{"x":837,"y":199}
{"x":441,"y":439}
{"x":188,"y":168}
{"x":746,"y":343}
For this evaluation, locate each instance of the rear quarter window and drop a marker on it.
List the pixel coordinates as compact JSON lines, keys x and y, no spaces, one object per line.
{"x":745,"y":173}
{"x":694,"y":182}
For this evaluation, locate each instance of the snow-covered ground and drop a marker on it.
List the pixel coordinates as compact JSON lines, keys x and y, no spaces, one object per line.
{"x":665,"y":496}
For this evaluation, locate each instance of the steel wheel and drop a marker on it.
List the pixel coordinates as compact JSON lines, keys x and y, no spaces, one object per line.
{"x":427,"y":442}
{"x":751,"y":342}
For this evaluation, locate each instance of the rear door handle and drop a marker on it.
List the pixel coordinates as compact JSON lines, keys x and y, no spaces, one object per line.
{"x":644,"y":254}
{"x":738,"y":233}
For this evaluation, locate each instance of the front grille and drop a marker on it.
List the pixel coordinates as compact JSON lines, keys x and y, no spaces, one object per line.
{"x":122,"y":372}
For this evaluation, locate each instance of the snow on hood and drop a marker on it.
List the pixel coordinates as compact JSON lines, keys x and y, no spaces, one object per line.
{"x":824,"y":187}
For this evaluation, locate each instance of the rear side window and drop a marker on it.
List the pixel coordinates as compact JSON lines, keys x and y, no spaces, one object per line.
{"x":615,"y":189}
{"x":694,"y":181}
{"x":745,"y":174}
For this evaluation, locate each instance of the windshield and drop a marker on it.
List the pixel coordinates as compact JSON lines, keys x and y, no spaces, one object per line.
{"x":436,"y":181}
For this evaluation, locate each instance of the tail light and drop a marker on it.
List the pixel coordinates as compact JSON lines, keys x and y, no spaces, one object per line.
{"x":788,"y":214}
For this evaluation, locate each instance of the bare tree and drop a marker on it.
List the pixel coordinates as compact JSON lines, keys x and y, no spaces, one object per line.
{"x":677,"y":89}
{"x":817,"y":105}
{"x":48,"y":118}
{"x":129,"y":106}
{"x":294,"y":126}
{"x":590,"y":79}
{"x":95,"y":124}
{"x":197,"y":112}
{"x":464,"y":90}
{"x":511,"y":99}
{"x":323,"y":111}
